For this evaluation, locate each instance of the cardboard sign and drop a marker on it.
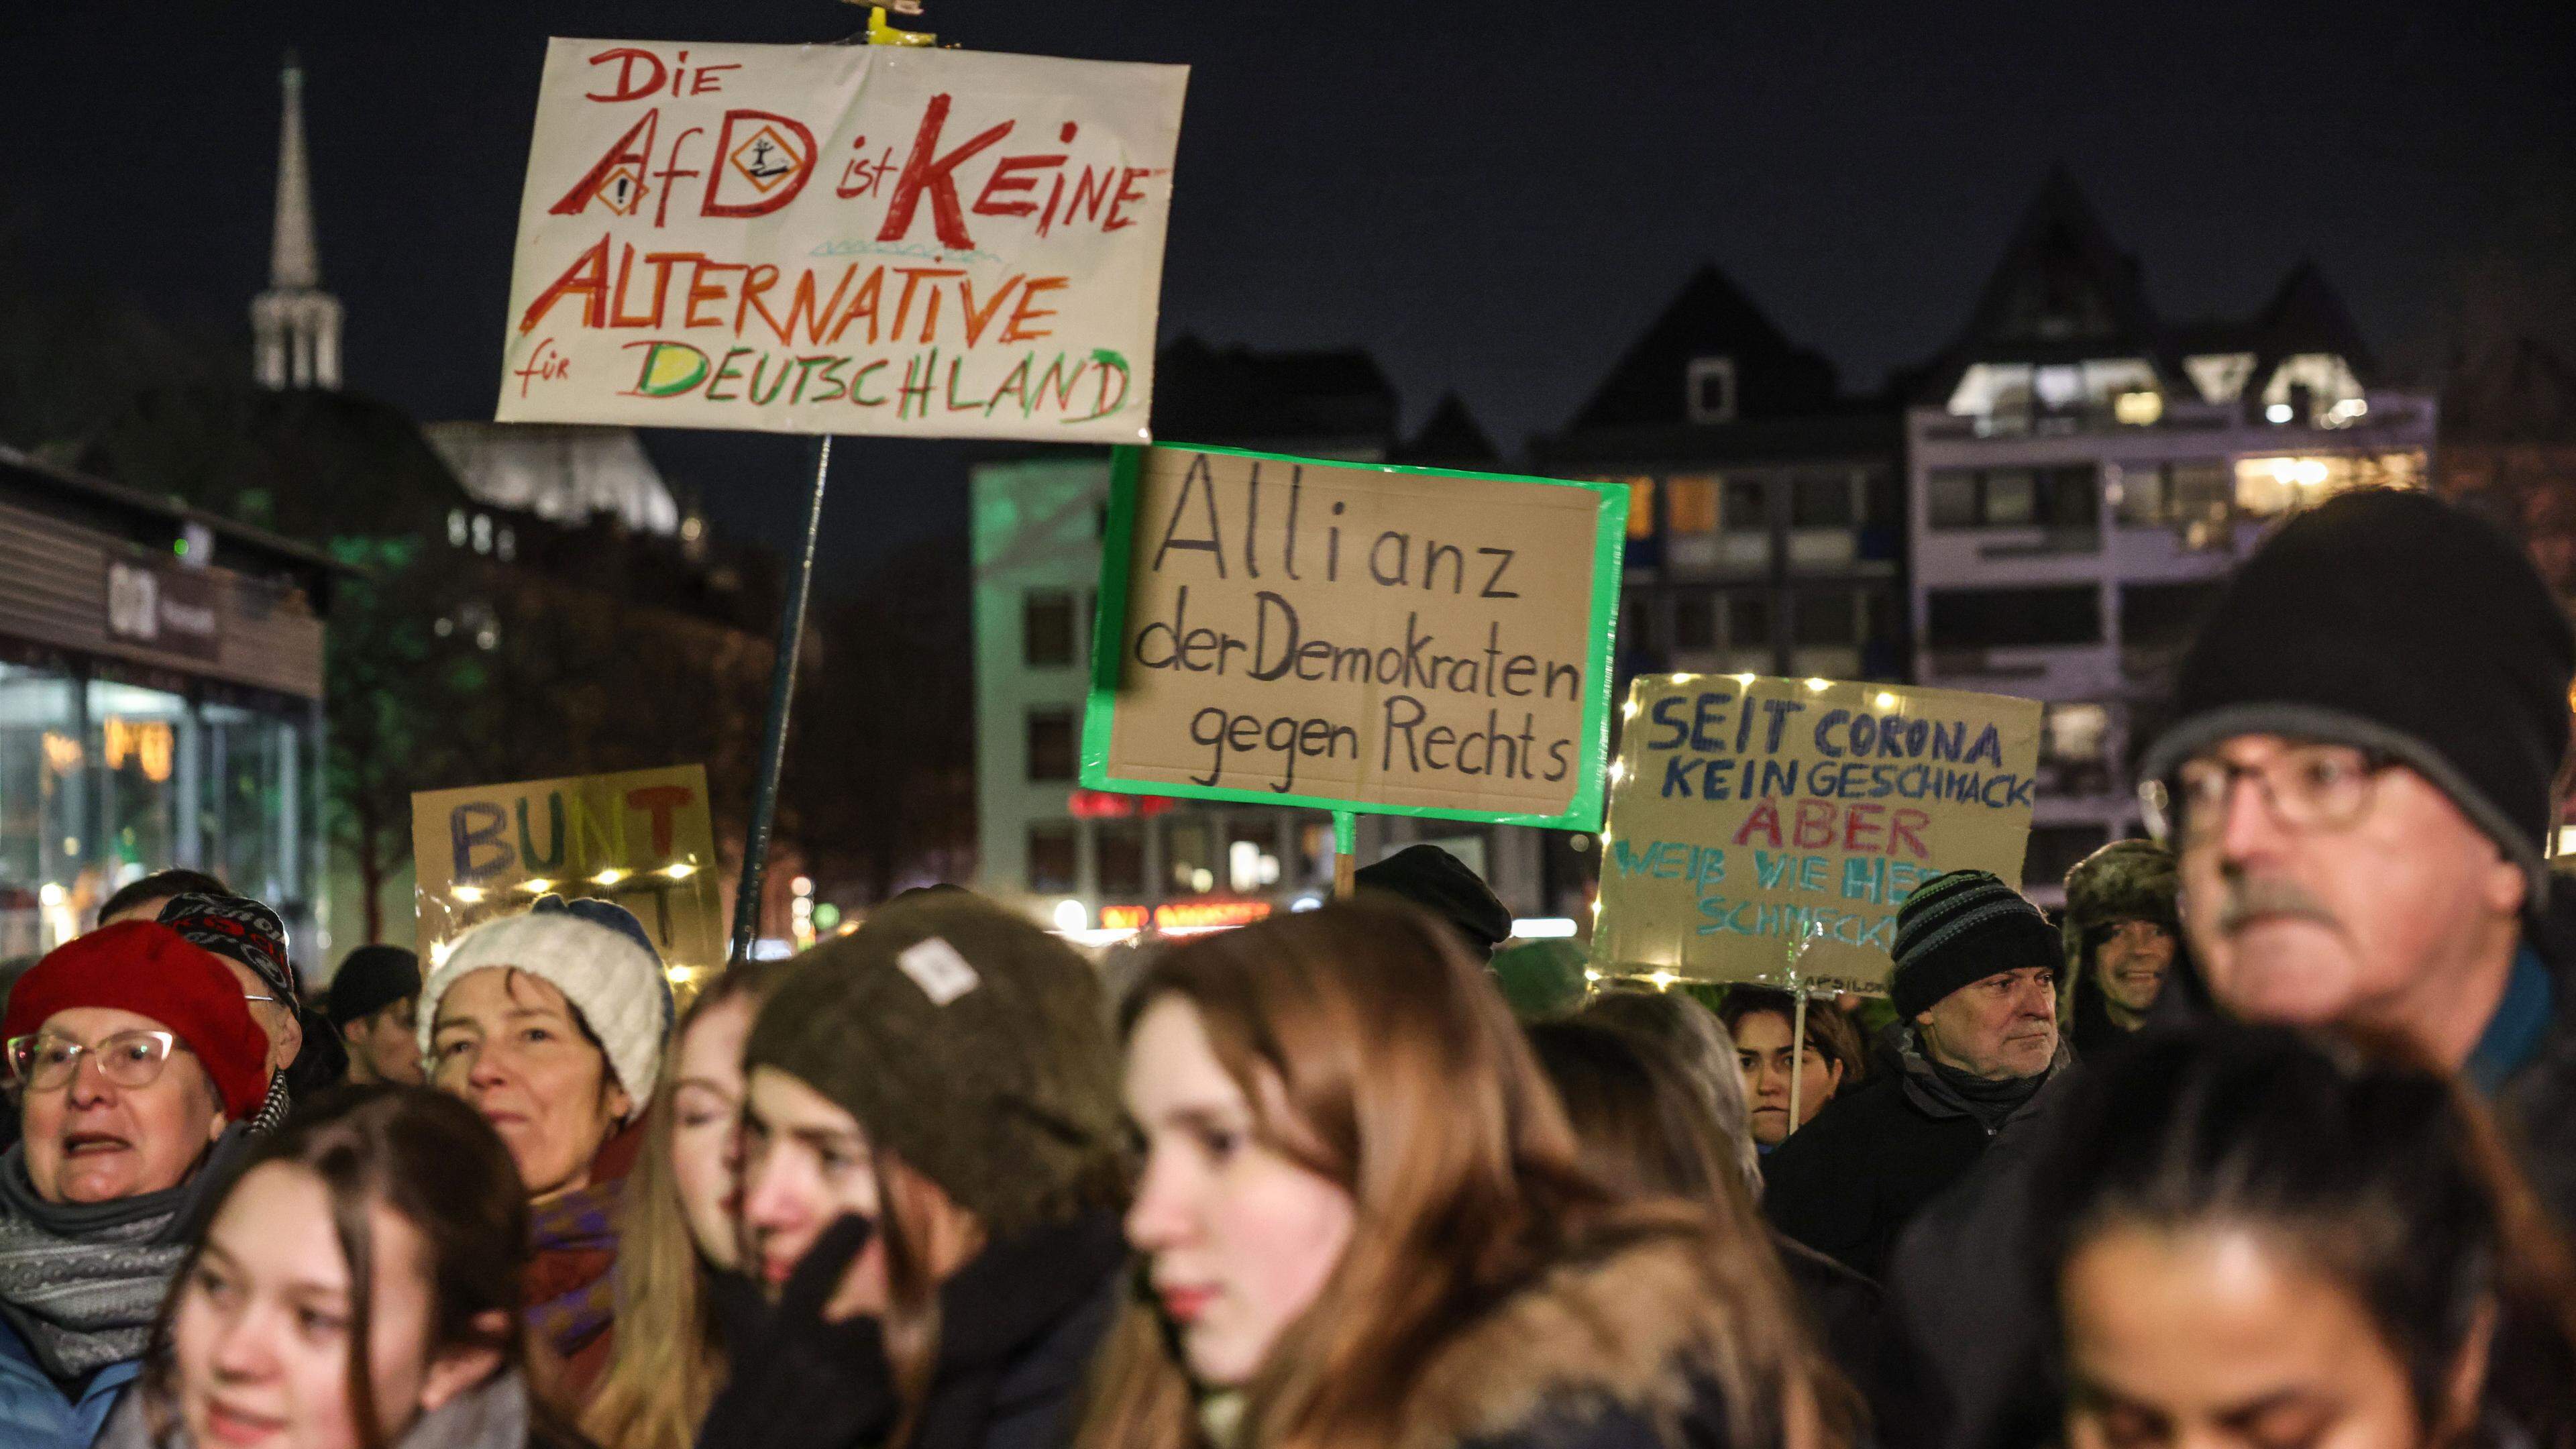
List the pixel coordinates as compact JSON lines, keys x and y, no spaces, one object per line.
{"x":642,"y":839}
{"x":1760,"y":827}
{"x":1406,"y":641}
{"x":842,"y":239}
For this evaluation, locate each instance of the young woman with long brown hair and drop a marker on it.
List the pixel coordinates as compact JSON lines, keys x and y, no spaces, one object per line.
{"x":1367,"y":1226}
{"x":679,"y":1229}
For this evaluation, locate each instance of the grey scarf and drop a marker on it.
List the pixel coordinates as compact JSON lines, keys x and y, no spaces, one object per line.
{"x":82,"y":1282}
{"x":493,"y":1416}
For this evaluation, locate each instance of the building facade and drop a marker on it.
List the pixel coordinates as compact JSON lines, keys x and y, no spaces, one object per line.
{"x":2082,"y":476}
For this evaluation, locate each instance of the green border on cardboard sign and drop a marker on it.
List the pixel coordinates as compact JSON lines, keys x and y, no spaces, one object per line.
{"x":1109,"y":629}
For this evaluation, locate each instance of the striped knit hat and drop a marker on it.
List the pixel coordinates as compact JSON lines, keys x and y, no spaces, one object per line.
{"x":1963,"y":926}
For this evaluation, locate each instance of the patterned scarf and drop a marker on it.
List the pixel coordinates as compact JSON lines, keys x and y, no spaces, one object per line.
{"x":575,"y":1242}
{"x":82,"y":1282}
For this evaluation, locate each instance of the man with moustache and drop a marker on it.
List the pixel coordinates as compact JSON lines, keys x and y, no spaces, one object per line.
{"x":1975,"y":1040}
{"x":2357,"y":782}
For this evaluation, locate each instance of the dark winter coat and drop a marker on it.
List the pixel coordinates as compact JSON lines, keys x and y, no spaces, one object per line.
{"x":1851,"y":1179}
{"x":1846,"y":1312}
{"x":1964,"y":1297}
{"x":1018,"y":1328}
{"x":1597,"y":1353}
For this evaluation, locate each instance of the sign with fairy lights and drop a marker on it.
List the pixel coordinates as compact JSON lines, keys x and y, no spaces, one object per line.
{"x":640,"y":838}
{"x":1760,"y":827}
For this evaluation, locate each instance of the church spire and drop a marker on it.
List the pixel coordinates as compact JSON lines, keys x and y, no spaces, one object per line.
{"x":293,"y":263}
{"x":297,"y":324}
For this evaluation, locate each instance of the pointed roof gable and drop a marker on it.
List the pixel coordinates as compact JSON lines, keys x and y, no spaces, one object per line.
{"x":1450,"y":438}
{"x":1709,"y":317}
{"x":2306,"y":315}
{"x":2063,"y":292}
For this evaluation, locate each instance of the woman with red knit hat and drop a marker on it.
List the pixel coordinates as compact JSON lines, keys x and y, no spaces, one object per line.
{"x":134,"y":1059}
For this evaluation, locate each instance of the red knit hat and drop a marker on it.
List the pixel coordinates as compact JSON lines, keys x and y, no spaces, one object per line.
{"x":151,"y":970}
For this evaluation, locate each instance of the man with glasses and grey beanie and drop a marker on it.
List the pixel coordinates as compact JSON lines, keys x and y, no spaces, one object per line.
{"x":2359,"y":785}
{"x":1975,"y":1040}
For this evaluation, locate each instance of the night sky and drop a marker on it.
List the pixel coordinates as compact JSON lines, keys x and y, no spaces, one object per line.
{"x":1491,"y":197}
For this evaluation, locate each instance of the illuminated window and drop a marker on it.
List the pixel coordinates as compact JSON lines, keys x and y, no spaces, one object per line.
{"x":2266,"y":487}
{"x":2074,"y":733}
{"x":1641,"y":506}
{"x":1189,"y":864}
{"x":2220,"y":376}
{"x":1692,"y":500}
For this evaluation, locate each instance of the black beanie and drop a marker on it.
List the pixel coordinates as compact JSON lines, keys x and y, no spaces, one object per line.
{"x":1440,"y":883}
{"x":370,"y":979}
{"x":1963,"y":926}
{"x":2392,"y":621}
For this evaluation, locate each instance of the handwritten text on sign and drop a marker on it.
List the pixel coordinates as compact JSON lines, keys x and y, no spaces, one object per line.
{"x":1751,"y":814}
{"x":1378,"y":638}
{"x":643,"y":839}
{"x":842,"y":239}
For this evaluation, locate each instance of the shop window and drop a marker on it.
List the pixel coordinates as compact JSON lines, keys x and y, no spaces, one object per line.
{"x":1053,"y":867}
{"x":1189,"y":865}
{"x":2015,"y":618}
{"x":1047,"y":628}
{"x":1118,"y":857}
{"x":1051,"y":744}
{"x":1693,"y":504}
{"x":1252,"y":852}
{"x":2269,"y":487}
{"x":1821,"y":500}
{"x":1748,"y":505}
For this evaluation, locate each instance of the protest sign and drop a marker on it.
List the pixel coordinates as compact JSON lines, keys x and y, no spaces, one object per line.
{"x":1755,"y":821}
{"x":842,"y":239}
{"x":1354,"y":637}
{"x":641,"y":838}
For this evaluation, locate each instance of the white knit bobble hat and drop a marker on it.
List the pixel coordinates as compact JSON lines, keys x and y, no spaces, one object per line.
{"x":617,"y":984}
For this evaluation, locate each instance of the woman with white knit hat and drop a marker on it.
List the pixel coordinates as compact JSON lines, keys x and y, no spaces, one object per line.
{"x":552,"y":1025}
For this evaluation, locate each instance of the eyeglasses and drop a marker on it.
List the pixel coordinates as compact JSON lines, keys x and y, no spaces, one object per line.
{"x":44,"y":1061}
{"x":2306,"y":787}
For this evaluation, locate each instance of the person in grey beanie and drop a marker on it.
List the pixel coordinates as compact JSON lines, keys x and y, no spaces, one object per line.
{"x":1974,"y":1043}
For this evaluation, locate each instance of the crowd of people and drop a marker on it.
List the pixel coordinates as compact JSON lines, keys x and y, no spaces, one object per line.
{"x":2269,"y":1140}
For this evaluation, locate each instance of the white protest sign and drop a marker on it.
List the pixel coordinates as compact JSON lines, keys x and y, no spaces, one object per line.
{"x":1754,"y":820}
{"x":842,"y":239}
